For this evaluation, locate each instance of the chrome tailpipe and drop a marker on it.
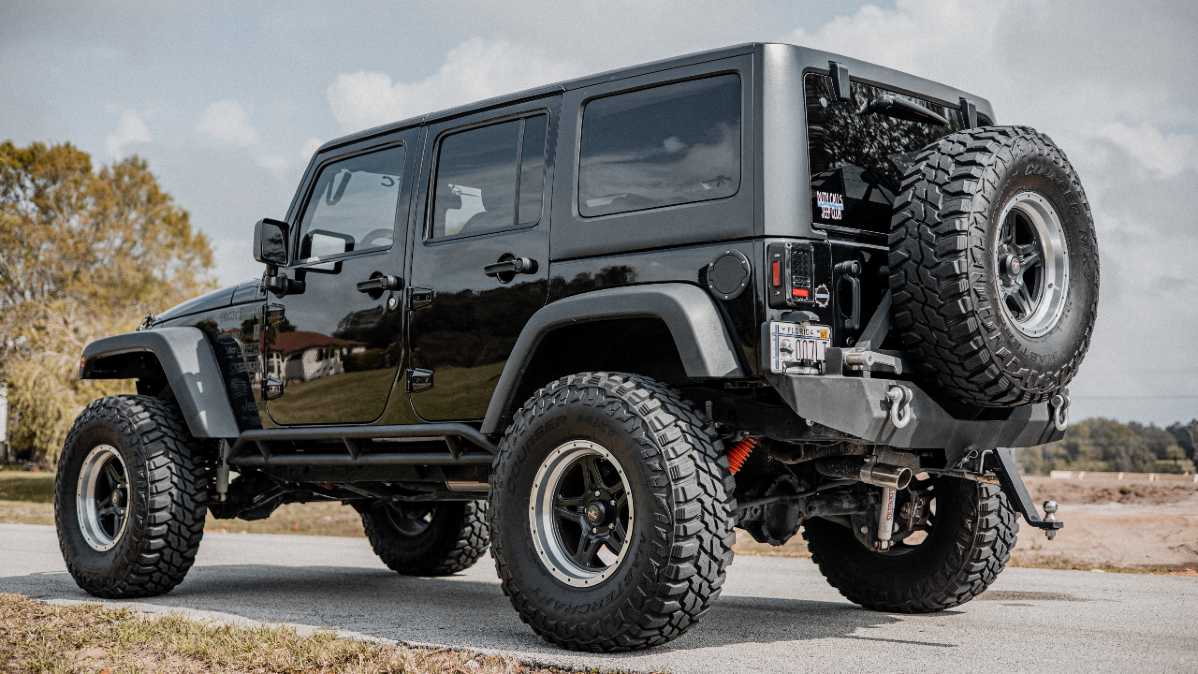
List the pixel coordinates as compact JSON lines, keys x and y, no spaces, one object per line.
{"x":885,"y":476}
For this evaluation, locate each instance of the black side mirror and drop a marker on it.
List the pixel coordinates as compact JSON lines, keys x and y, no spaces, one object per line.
{"x":270,"y":242}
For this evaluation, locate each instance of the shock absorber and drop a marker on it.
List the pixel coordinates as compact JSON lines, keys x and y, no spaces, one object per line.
{"x":739,"y":453}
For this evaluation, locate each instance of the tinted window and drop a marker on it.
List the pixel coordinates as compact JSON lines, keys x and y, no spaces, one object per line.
{"x":860,"y":148}
{"x":667,"y":145}
{"x":490,"y":178}
{"x":352,"y":207}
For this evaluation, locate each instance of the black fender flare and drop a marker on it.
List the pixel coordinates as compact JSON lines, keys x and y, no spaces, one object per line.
{"x":690,"y":314}
{"x":189,"y":363}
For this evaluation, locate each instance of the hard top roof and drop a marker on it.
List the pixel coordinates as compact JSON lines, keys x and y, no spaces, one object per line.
{"x":808,"y":58}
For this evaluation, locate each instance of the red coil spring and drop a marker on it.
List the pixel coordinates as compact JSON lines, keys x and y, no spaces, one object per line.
{"x":739,"y":453}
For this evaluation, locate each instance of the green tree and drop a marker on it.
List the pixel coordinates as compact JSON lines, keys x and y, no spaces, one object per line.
{"x":83,"y":253}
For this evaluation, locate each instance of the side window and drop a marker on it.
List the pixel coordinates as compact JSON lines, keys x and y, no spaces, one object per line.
{"x":490,"y":178}
{"x":662,"y":146}
{"x":352,"y":207}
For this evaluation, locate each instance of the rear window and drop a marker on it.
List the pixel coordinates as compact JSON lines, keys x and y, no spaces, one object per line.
{"x":860,"y":148}
{"x":662,"y":146}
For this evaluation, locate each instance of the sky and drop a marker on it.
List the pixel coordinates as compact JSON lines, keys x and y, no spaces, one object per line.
{"x":227,"y":101}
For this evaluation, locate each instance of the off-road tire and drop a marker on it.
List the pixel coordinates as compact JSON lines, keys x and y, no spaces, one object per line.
{"x":169,"y":479}
{"x":683,"y":531}
{"x":457,"y":536}
{"x":946,"y":301}
{"x":969,"y":545}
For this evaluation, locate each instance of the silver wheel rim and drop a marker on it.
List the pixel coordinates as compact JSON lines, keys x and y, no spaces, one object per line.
{"x":581,"y":513}
{"x":1031,"y":264}
{"x":102,"y":497}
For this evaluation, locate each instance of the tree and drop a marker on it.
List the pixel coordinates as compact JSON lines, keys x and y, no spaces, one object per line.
{"x":83,"y":253}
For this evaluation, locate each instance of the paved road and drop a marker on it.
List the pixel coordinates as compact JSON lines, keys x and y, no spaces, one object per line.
{"x":775,"y":615}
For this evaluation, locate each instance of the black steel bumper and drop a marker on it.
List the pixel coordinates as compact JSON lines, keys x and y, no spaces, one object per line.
{"x":859,"y":407}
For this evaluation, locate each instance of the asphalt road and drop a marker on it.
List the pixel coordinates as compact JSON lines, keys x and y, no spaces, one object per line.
{"x":775,"y":614}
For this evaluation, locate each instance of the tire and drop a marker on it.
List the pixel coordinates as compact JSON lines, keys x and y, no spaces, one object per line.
{"x":679,"y":529}
{"x":167,"y":476}
{"x":433,"y":539}
{"x":957,"y":288}
{"x":967,"y":548}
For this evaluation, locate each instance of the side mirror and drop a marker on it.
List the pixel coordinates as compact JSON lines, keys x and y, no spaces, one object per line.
{"x":270,"y":242}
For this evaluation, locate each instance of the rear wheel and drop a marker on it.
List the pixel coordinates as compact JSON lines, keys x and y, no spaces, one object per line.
{"x":953,"y":538}
{"x":427,"y":539}
{"x":130,"y":497}
{"x":994,"y":266}
{"x":611,"y":512}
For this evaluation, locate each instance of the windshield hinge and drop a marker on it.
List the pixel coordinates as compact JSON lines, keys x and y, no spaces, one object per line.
{"x":840,"y":80}
{"x":969,"y":113}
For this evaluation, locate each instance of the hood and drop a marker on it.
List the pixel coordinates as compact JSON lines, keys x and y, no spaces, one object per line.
{"x":235,"y":294}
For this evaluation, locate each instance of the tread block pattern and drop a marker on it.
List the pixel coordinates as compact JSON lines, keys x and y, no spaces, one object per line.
{"x":693,"y":536}
{"x":172,"y":474}
{"x":984,"y":534}
{"x":943,"y":307}
{"x":458,"y":537}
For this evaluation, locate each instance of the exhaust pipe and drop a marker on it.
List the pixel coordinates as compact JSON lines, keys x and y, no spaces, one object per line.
{"x":869,"y":472}
{"x":889,"y":478}
{"x":882,"y":475}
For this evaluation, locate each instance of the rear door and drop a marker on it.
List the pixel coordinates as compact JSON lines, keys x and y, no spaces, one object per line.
{"x":334,"y":348}
{"x":480,"y":261}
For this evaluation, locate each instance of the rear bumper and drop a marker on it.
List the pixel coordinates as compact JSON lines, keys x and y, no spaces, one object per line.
{"x":859,"y":407}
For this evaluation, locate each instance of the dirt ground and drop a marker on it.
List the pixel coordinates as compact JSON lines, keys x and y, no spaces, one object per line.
{"x":1109,"y":525}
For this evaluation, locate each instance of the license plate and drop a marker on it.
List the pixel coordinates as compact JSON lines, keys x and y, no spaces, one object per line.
{"x":798,"y":347}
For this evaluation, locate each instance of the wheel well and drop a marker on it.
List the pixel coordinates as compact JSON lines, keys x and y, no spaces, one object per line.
{"x":140,"y":365}
{"x":637,"y":345}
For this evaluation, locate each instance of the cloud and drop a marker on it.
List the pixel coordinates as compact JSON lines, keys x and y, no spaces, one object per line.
{"x":130,"y":129}
{"x":309,"y":148}
{"x":235,"y":260}
{"x":278,"y":166}
{"x":226,"y":122}
{"x":1164,"y":154}
{"x":475,"y":69}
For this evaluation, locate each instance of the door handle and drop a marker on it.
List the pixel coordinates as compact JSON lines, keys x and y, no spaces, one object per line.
{"x":511,"y":266}
{"x":379,"y":283}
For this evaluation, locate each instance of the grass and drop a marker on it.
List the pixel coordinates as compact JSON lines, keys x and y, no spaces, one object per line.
{"x":38,"y":637}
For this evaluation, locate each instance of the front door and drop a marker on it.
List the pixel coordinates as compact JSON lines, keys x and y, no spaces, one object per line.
{"x":480,"y":265}
{"x":334,"y":344}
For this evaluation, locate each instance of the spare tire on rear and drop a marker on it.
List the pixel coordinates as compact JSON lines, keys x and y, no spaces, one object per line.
{"x":994,"y":266}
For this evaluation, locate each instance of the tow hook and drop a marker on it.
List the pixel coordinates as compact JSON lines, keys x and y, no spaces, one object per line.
{"x":1059,"y":404}
{"x":1018,"y":496}
{"x":899,"y":398}
{"x":1050,"y":515}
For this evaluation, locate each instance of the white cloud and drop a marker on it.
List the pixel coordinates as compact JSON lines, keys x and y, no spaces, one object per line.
{"x":475,"y":69}
{"x":278,"y":166}
{"x":309,"y":148}
{"x":130,"y":129}
{"x":226,"y":122}
{"x":235,"y":260}
{"x":1164,"y":154}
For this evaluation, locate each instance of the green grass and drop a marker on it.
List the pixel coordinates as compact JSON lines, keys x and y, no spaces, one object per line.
{"x":26,"y":486}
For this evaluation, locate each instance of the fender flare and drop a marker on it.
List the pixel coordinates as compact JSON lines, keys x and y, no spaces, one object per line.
{"x":189,"y":363}
{"x":703,"y":343}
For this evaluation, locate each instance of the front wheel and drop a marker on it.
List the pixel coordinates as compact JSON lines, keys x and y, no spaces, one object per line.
{"x":954,"y":537}
{"x":130,"y":497}
{"x":611,"y":513}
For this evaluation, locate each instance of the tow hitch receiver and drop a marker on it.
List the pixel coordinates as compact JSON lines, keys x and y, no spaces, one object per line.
{"x":1016,"y":491}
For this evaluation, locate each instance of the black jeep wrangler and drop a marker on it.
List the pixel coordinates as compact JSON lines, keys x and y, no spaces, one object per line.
{"x":597,"y":325}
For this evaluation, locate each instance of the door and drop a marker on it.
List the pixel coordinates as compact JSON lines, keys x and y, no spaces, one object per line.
{"x":334,"y":343}
{"x":480,"y":264}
